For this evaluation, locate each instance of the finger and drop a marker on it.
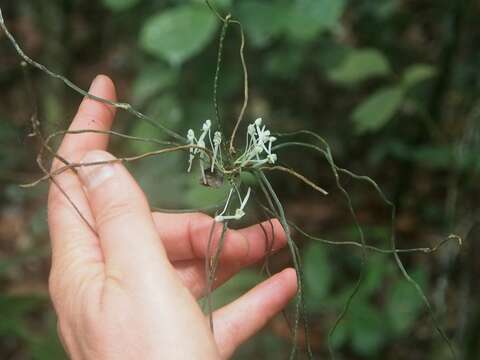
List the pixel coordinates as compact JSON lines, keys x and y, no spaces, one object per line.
{"x":128,"y":237}
{"x":73,"y":243}
{"x":91,"y":115}
{"x":193,"y":277}
{"x":186,"y":236}
{"x":238,"y":321}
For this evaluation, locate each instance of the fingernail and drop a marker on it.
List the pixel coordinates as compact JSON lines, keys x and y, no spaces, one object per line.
{"x":95,"y":175}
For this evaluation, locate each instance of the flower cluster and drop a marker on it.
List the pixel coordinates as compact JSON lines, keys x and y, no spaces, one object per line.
{"x":258,"y":152}
{"x":205,"y":136}
{"x":258,"y":146}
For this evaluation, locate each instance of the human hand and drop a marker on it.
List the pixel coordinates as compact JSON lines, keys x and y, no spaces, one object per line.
{"x":129,"y":289}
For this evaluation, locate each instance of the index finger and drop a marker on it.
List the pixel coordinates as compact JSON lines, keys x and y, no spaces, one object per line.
{"x":185,"y":237}
{"x":71,"y":237}
{"x":91,"y":115}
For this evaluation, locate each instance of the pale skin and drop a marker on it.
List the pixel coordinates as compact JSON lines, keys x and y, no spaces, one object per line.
{"x":129,"y":289}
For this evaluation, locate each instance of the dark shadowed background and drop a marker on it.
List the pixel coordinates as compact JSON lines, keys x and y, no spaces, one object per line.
{"x":393,"y":85}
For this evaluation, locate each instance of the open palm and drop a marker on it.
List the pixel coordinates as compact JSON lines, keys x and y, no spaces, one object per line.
{"x":128,"y":289}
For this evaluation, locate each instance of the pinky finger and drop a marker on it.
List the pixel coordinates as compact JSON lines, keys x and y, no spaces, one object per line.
{"x":236,"y":322}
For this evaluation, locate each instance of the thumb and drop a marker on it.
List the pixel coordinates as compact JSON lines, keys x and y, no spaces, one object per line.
{"x":122,"y":217}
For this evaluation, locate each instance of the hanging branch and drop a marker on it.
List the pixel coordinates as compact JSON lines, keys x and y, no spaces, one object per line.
{"x":226,"y":21}
{"x":327,"y":153}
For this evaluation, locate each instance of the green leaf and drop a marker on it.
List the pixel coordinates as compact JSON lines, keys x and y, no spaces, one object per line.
{"x":177,"y":34}
{"x":436,"y":157}
{"x":156,"y":174}
{"x":197,"y":195}
{"x":308,"y":18}
{"x":285,"y":63}
{"x":330,"y":53}
{"x":444,"y":157}
{"x":262,"y":20}
{"x":374,"y":275}
{"x":318,"y":271}
{"x":223,"y":4}
{"x":367,"y":329}
{"x":168,"y":112}
{"x":417,"y":73}
{"x":248,"y":179}
{"x":120,"y":5}
{"x":360,"y":65}
{"x":340,"y":335}
{"x":151,"y":80}
{"x":404,"y":304}
{"x":219,"y":4}
{"x":378,"y":109}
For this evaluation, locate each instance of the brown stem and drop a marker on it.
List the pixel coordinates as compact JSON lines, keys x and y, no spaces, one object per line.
{"x":245,"y":87}
{"x":297,"y":175}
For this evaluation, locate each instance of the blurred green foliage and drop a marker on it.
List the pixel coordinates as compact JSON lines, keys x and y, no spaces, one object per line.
{"x":393,"y":85}
{"x":369,"y":325}
{"x":169,"y":36}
